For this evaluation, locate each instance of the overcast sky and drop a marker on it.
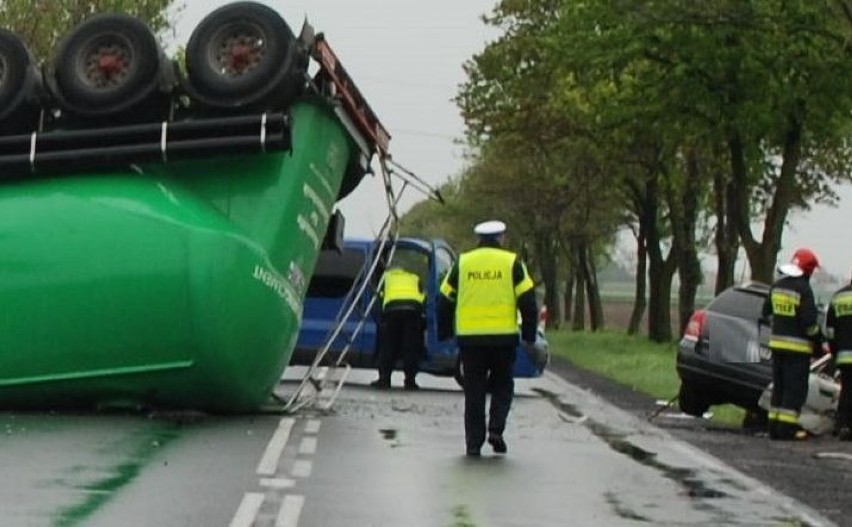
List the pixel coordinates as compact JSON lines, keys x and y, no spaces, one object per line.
{"x":407,"y":55}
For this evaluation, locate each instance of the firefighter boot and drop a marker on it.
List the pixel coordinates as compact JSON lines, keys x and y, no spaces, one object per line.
{"x":773,"y":429}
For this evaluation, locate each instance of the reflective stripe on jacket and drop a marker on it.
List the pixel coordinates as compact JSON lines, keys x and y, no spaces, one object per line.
{"x":838,"y":326}
{"x":794,"y":315}
{"x":401,"y":285}
{"x":487,"y":295}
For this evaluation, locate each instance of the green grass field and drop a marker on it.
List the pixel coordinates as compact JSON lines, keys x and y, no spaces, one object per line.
{"x":636,"y":362}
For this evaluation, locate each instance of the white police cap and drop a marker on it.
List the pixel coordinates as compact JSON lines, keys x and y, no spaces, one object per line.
{"x":490,"y":228}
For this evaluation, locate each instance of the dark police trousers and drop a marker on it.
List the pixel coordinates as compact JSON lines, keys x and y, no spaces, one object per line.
{"x":401,"y":335}
{"x":486,"y":369}
{"x":790,"y":371}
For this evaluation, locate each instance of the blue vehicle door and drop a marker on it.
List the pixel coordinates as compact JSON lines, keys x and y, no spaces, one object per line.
{"x":440,"y":355}
{"x":329,"y":294}
{"x":419,"y":257}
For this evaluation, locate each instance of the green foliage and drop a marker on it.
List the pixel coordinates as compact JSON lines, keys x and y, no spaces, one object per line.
{"x":448,"y":220}
{"x":42,"y":23}
{"x":585,"y":115}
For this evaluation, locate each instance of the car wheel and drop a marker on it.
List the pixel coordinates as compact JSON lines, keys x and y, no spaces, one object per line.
{"x":691,"y":401}
{"x":107,"y":64}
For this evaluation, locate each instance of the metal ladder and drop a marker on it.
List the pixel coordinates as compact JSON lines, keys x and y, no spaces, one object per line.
{"x":327,"y":374}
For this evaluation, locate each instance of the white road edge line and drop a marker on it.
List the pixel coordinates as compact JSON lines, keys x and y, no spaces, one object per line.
{"x":248,"y":509}
{"x":291,"y":509}
{"x":268,"y":465}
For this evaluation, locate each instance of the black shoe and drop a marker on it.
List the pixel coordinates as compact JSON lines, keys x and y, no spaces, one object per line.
{"x":844,"y":434}
{"x":472,"y":452}
{"x":497,"y":443}
{"x":381,"y":384}
{"x":411,"y":385}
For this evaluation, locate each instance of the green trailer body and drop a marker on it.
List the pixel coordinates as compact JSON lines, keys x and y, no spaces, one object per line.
{"x":160,"y":225}
{"x":174,"y":285}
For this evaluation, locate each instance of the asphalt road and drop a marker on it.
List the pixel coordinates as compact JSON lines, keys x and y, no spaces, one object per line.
{"x":394,"y":458}
{"x":574,"y":460}
{"x":816,"y":472}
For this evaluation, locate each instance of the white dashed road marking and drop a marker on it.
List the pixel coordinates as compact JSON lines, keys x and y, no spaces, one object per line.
{"x":277,"y":483}
{"x":312,"y":427}
{"x":302,"y":468}
{"x":267,"y":469}
{"x":288,"y":514}
{"x":248,"y":509}
{"x":308,"y":446}
{"x":268,"y":465}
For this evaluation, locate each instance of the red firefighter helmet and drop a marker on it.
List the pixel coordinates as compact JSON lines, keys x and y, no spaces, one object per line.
{"x":804,"y":261}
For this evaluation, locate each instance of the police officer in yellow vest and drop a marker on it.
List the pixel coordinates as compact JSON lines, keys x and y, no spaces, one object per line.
{"x":481,"y":295}
{"x":794,"y":340}
{"x":401,"y":331}
{"x":838,"y":333}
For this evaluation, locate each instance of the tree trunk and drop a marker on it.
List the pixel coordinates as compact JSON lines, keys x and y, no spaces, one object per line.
{"x":639,"y":299}
{"x":596,"y":316}
{"x":579,"y":322}
{"x":762,"y":255}
{"x":726,"y":240}
{"x":549,"y":273}
{"x":683,"y":231}
{"x":568,"y":300}
{"x":660,"y":271}
{"x":570,"y":280}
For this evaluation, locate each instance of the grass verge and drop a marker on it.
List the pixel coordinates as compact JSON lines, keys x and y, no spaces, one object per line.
{"x":636,"y":362}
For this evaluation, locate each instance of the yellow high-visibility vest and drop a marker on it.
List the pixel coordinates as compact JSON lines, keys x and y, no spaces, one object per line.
{"x":486,"y":302}
{"x":401,"y":285}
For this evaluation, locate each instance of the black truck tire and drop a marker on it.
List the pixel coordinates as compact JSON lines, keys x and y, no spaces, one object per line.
{"x":15,"y":60}
{"x":240,"y":55}
{"x":106,"y":65}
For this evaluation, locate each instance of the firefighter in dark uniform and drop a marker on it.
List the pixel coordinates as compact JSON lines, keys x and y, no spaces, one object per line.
{"x":838,"y":333}
{"x":401,"y":332}
{"x":794,"y":340}
{"x":481,"y":296}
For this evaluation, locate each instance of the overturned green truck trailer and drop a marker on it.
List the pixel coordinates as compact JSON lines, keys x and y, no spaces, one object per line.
{"x":160,"y":228}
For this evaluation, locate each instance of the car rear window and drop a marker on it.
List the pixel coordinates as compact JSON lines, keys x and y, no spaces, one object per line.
{"x":336,"y":272}
{"x":739,"y":303}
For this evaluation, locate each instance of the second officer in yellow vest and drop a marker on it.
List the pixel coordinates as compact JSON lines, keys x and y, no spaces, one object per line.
{"x":401,"y":332}
{"x":482,"y":294}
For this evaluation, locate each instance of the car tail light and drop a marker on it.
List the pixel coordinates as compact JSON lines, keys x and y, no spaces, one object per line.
{"x":695,"y":325}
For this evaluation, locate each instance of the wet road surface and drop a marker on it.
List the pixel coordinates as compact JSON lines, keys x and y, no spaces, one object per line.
{"x":395,"y":458}
{"x":379,"y":458}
